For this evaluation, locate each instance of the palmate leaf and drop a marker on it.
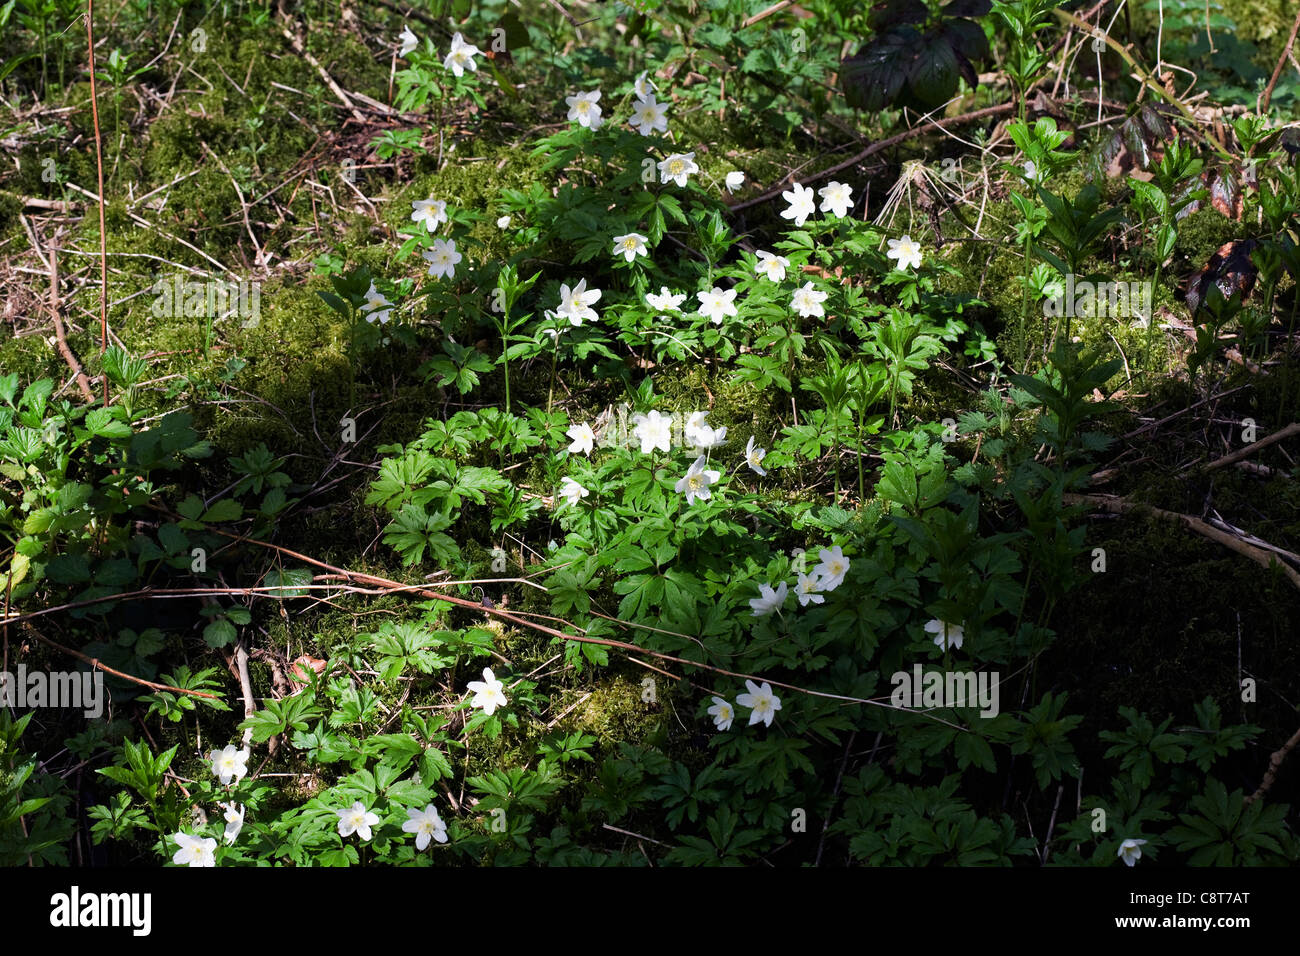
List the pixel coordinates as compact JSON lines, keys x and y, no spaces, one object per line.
{"x":413,"y":530}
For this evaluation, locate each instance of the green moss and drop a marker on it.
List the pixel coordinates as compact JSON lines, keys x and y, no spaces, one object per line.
{"x":615,"y":711}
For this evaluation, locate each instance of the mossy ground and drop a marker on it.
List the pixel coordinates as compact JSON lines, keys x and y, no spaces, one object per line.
{"x":1171,"y":612}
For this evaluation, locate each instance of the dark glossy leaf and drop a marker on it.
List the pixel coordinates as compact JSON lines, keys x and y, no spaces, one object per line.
{"x":968,"y":8}
{"x":892,"y":13}
{"x":932,"y":76}
{"x":873,"y":77}
{"x":967,"y":38}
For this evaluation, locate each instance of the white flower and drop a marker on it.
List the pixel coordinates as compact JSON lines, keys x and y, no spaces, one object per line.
{"x":735,"y":179}
{"x":426,"y":825}
{"x":677,"y":167}
{"x":836,"y":198}
{"x":696,"y":482}
{"x":700,"y":435}
{"x":665,"y":300}
{"x":503,"y":222}
{"x":195,"y":851}
{"x":772,"y":266}
{"x":769,"y":600}
{"x":1130,"y":851}
{"x":907,"y":252}
{"x":722,"y":713}
{"x":716,"y":303}
{"x":487,"y":692}
{"x":649,"y":116}
{"x":461,"y":57}
{"x":234,"y":821}
{"x":809,"y":589}
{"x":409,"y":41}
{"x":802,"y":204}
{"x":644,"y":85}
{"x":832,"y":568}
{"x":554,"y":333}
{"x":754,"y":457}
{"x":630,"y":246}
{"x":654,"y":431}
{"x":583,"y":108}
{"x":1033,"y":175}
{"x":765,"y":704}
{"x":941,"y":629}
{"x":230,"y":764}
{"x":433,"y":212}
{"x":575,"y":303}
{"x":374,"y":306}
{"x":442,"y":258}
{"x":572,"y":491}
{"x":356,"y":819}
{"x":584,"y":439}
{"x":807,"y":301}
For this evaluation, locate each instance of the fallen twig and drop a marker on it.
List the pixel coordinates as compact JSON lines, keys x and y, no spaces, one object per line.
{"x":1277,"y":70}
{"x":59,"y":333}
{"x":1278,"y":756}
{"x":1248,"y":450}
{"x":1121,"y":506}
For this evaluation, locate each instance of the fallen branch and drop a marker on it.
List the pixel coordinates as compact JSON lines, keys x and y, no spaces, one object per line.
{"x":301,"y":50}
{"x":59,"y":333}
{"x":56,"y":205}
{"x":1276,"y":760}
{"x":99,"y":167}
{"x":1121,"y":506}
{"x":1277,"y":70}
{"x":1248,"y":450}
{"x":93,"y":662}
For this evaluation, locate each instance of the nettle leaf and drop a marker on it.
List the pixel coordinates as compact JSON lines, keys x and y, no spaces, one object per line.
{"x":220,"y":633}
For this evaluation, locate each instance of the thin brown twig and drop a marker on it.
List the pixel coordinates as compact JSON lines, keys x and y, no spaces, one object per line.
{"x":1273,"y":764}
{"x":99,"y":168}
{"x":1116,"y":505}
{"x":1248,"y":450}
{"x":93,"y":662}
{"x":1277,"y":70}
{"x":59,"y":333}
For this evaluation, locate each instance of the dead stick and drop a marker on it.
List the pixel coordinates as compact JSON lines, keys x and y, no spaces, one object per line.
{"x":1248,"y":450}
{"x":82,"y":382}
{"x":116,"y":673}
{"x":99,"y":166}
{"x":1121,"y":506}
{"x":764,"y":14}
{"x":1277,"y":70}
{"x":1276,"y":760}
{"x":56,"y":205}
{"x":302,"y":51}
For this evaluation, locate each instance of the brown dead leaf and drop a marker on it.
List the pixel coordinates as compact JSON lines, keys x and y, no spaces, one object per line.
{"x":298,"y":672}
